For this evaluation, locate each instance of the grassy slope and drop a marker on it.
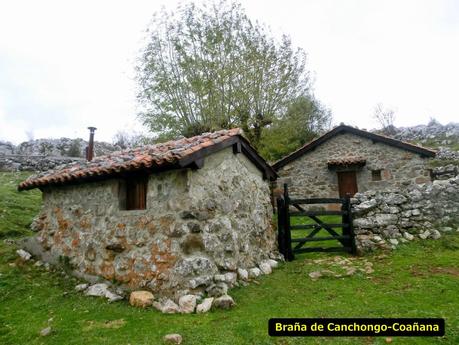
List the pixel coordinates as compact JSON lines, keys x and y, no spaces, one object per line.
{"x":16,"y":209}
{"x":407,"y":283}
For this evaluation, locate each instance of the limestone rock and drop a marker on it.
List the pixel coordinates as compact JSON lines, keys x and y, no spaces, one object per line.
{"x":265,"y":268}
{"x":435,"y":234}
{"x":273,"y":263}
{"x":424,"y":234}
{"x":101,"y":290}
{"x":26,"y":256}
{"x":254,"y":272}
{"x":205,"y":306}
{"x":218,"y":289}
{"x":141,"y":299}
{"x":97,"y":290}
{"x":243,"y":274}
{"x":230,"y":278}
{"x":170,"y":307}
{"x":224,"y":302}
{"x":173,"y":339}
{"x":187,"y":304}
{"x":46,"y":331}
{"x":393,"y":241}
{"x":113,"y":297}
{"x":218,"y":278}
{"x":408,"y":236}
{"x":81,"y":287}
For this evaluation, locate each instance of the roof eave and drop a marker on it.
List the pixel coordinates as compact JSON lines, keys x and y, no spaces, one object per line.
{"x":427,"y":153}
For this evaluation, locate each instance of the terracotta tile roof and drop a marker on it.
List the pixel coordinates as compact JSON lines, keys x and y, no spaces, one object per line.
{"x":349,"y":160}
{"x":171,"y":154}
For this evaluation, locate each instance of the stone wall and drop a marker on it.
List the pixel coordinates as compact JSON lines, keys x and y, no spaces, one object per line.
{"x":387,"y":218}
{"x":33,"y":163}
{"x":198,"y":225}
{"x":309,"y":176}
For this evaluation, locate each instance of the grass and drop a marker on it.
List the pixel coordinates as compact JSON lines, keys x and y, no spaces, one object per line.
{"x":301,"y":233}
{"x":16,"y":209}
{"x":418,"y":280}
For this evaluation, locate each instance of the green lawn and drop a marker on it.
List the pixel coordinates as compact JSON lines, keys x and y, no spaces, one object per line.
{"x":420,"y":279}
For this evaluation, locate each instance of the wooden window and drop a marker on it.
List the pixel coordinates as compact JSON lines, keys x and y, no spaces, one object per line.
{"x":376,"y":175}
{"x":133,"y":193}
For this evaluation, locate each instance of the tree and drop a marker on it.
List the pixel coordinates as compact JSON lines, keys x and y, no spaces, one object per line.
{"x":127,"y":140}
{"x":207,"y":68}
{"x":304,"y":120}
{"x":385,"y":117}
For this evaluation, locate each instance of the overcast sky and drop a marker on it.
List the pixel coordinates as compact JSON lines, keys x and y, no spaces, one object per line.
{"x":65,"y":65}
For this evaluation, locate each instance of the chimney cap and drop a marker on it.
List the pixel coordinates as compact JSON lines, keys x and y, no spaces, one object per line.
{"x":92,"y":129}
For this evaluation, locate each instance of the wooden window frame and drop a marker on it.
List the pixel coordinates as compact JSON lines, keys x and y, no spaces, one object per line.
{"x":376,"y":175}
{"x":133,"y":193}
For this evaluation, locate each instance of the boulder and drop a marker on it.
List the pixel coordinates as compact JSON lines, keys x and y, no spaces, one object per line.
{"x":408,"y":236}
{"x":272,"y":263}
{"x":243,"y":274}
{"x":265,"y":268}
{"x":101,"y":290}
{"x":26,"y":256}
{"x":254,"y":272}
{"x":230,"y":278}
{"x":393,"y":241}
{"x":224,"y":302}
{"x":216,"y":290}
{"x":424,"y":234}
{"x":187,"y":304}
{"x":205,"y":306}
{"x":141,"y":299}
{"x":435,"y":234}
{"x":97,"y":290}
{"x":173,"y":339}
{"x":170,"y":307}
{"x":81,"y":287}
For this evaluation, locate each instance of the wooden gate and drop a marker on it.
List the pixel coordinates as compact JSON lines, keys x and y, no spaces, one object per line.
{"x":288,"y":246}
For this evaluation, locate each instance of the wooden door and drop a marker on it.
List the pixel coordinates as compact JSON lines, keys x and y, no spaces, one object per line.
{"x":347,"y":183}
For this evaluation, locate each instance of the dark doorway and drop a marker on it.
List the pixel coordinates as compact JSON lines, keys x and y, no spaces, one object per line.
{"x":347,"y":183}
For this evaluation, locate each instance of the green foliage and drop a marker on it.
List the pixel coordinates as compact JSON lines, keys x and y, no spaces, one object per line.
{"x":210,"y":67}
{"x":74,"y":149}
{"x":45,"y":148}
{"x":303,"y":120}
{"x":17,"y":209}
{"x":127,"y":140}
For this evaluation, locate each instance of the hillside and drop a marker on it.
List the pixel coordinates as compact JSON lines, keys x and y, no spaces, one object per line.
{"x":444,"y":138}
{"x":62,"y":147}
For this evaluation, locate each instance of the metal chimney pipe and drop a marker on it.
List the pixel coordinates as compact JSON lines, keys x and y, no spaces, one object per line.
{"x":90,"y":149}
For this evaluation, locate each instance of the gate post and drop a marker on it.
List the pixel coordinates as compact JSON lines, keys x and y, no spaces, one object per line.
{"x":280,"y":226}
{"x":288,"y":236}
{"x":349,"y":220}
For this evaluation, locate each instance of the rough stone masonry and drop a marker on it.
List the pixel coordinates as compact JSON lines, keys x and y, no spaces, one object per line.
{"x":200,"y":229}
{"x":386,"y":218}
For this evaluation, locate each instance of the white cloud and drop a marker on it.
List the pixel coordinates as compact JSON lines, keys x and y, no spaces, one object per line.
{"x":67,"y":65}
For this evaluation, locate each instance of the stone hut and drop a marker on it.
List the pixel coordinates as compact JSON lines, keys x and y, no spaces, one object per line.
{"x":167,"y":217}
{"x":347,"y":160}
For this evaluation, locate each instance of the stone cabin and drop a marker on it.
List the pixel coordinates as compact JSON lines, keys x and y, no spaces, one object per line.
{"x":166,"y":217}
{"x":347,"y":160}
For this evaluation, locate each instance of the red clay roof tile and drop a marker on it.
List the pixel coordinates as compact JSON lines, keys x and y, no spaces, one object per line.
{"x":145,"y":157}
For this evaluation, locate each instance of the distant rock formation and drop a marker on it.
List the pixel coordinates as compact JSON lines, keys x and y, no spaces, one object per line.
{"x":63,"y":147}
